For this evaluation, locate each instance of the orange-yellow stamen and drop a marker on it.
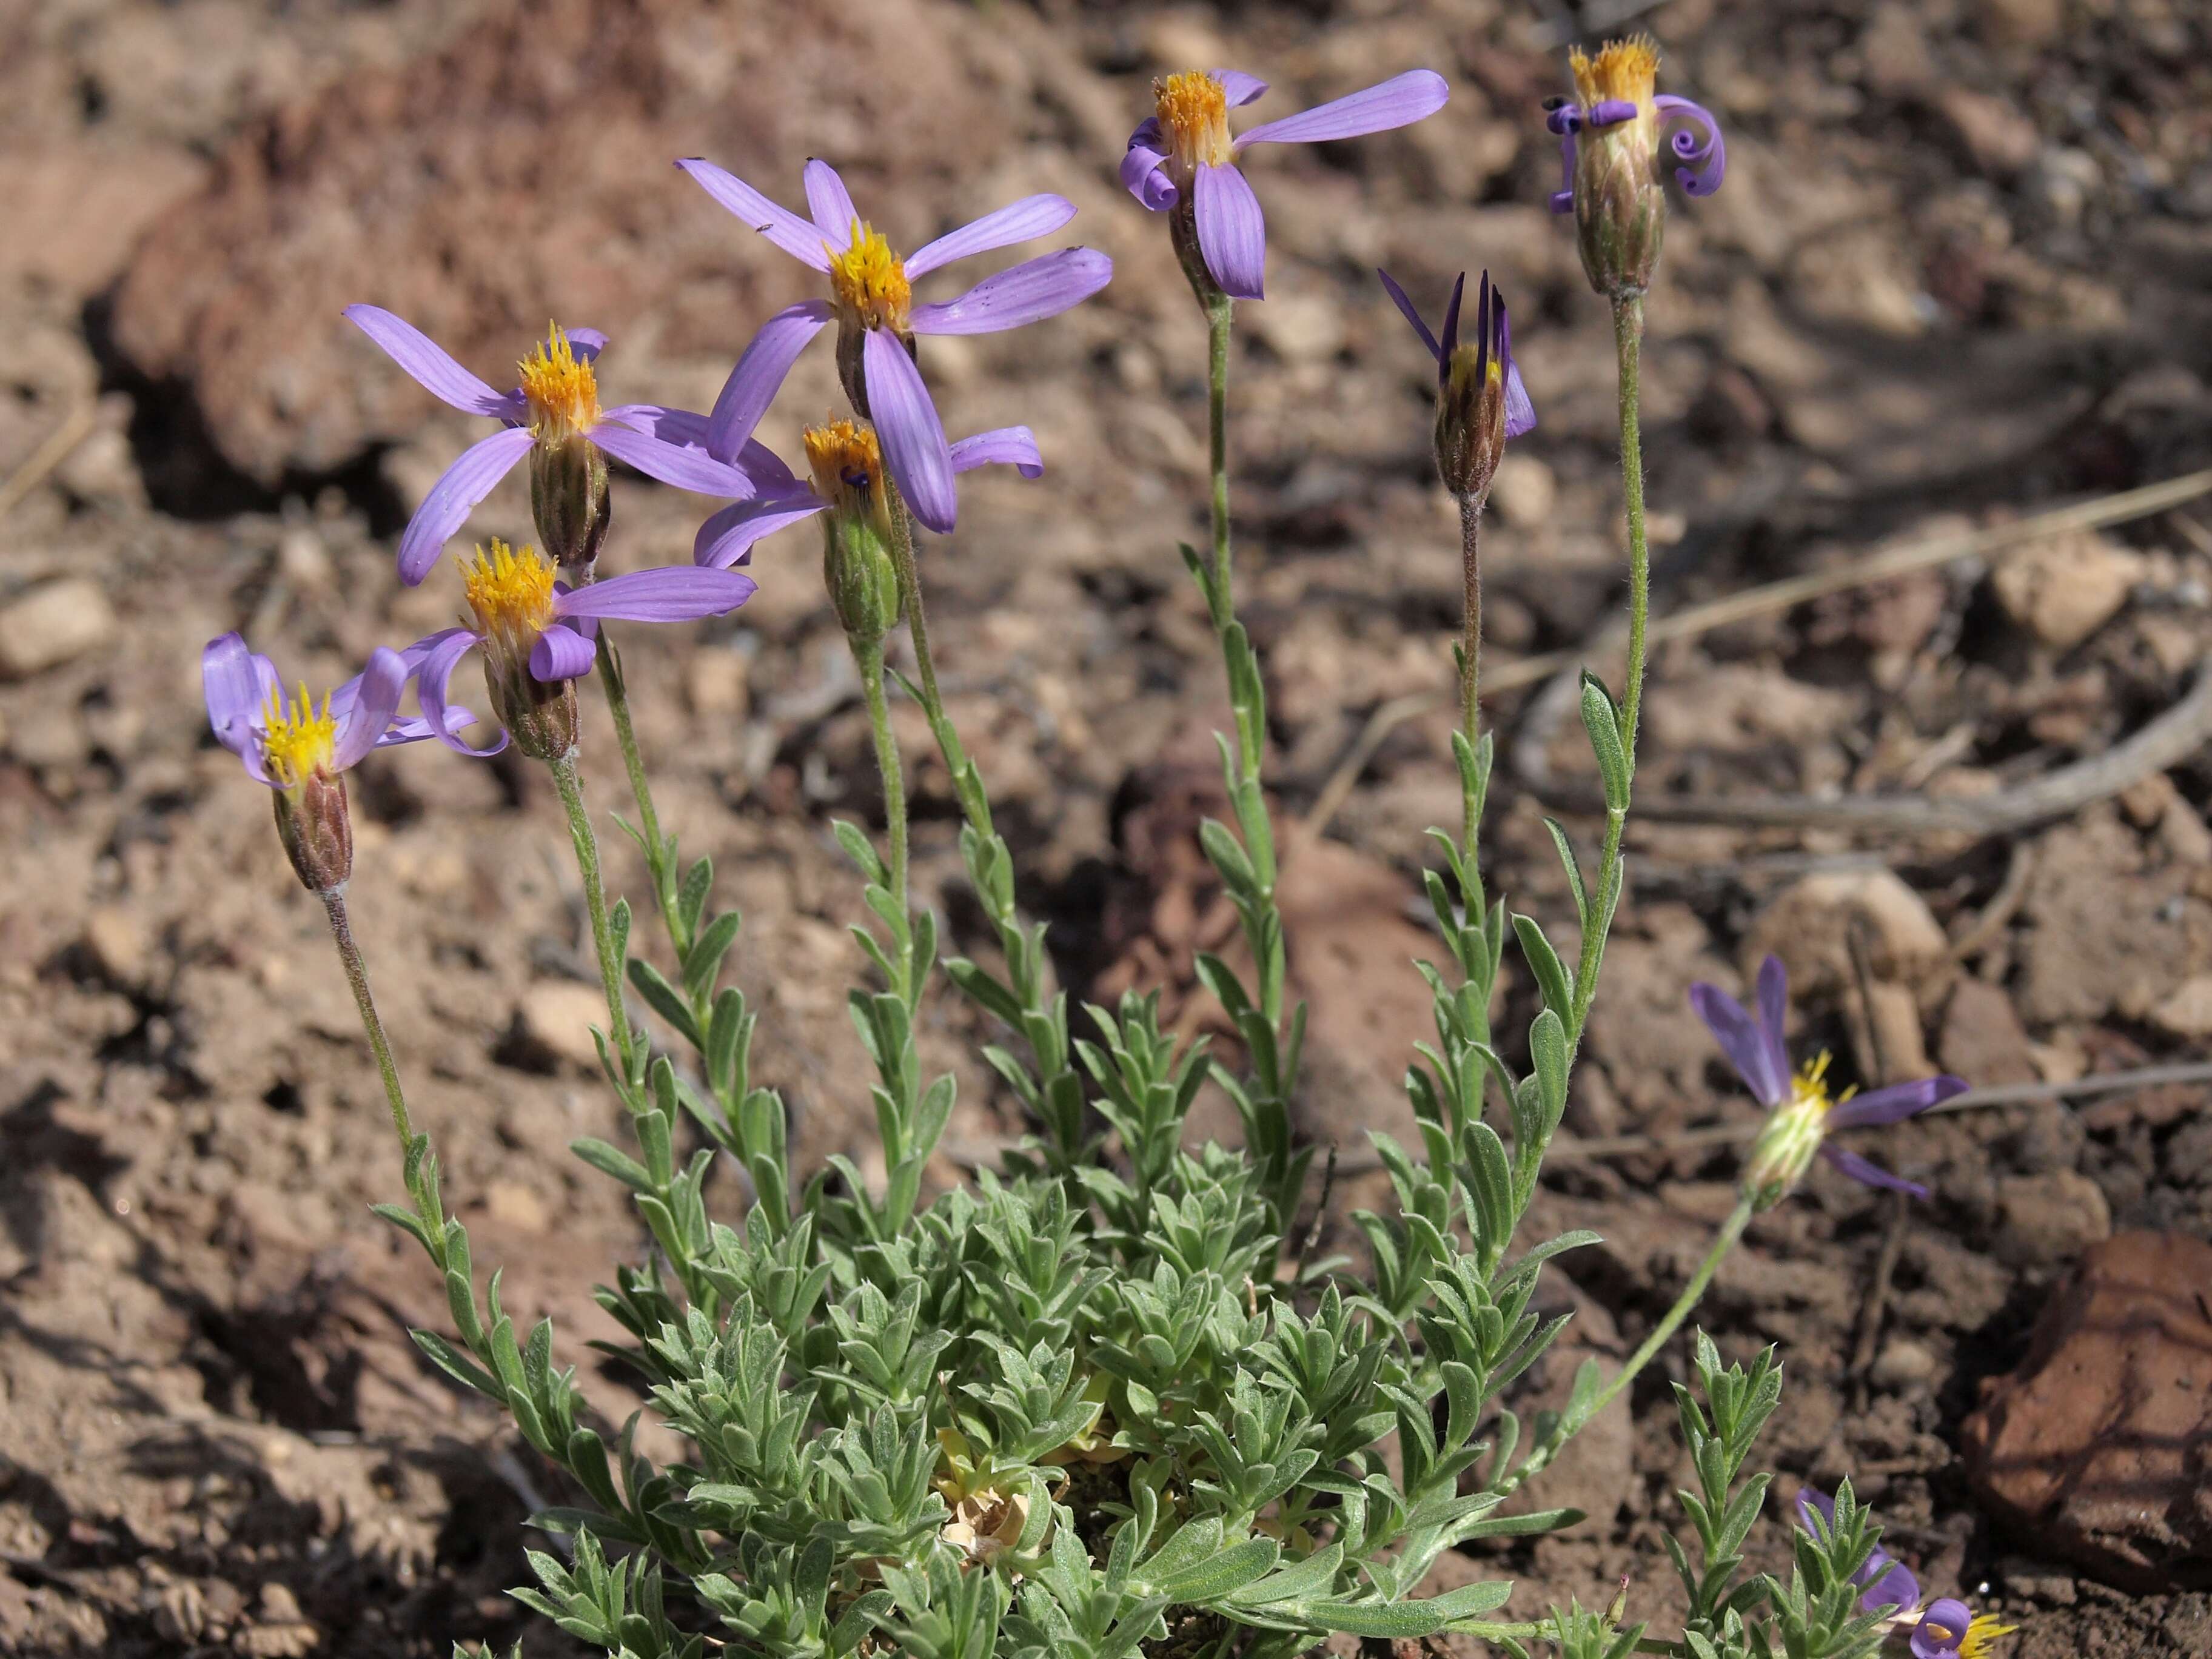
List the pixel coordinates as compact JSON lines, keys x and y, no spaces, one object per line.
{"x":1624,"y":70}
{"x":845,"y":459}
{"x":299,"y":742}
{"x":1194,"y":110}
{"x":870,"y":282}
{"x":1982,"y":1634}
{"x":511,"y":593}
{"x":561,"y":388}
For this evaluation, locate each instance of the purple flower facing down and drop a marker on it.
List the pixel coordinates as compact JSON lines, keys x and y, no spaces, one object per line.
{"x":1480,"y":400}
{"x":1889,"y":1585}
{"x":1183,"y":158}
{"x":871,"y":300}
{"x":553,"y":416}
{"x":538,"y":636}
{"x":1951,"y":1630}
{"x":1800,"y":1114}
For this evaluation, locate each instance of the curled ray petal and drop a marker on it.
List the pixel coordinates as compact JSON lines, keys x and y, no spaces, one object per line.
{"x":454,"y":496}
{"x":694,"y":469}
{"x":1026,"y":293}
{"x":1942,"y":1625}
{"x":1017,"y":221}
{"x":912,"y":435}
{"x":586,"y":343}
{"x":427,"y":363}
{"x":1239,"y":87}
{"x":1562,"y":200}
{"x":1006,"y":446}
{"x":673,"y":592}
{"x":1399,"y":102}
{"x":561,"y":654}
{"x":413,"y":728}
{"x":237,"y":683}
{"x":727,"y":536}
{"x":1232,"y":232}
{"x":1872,"y":1175}
{"x":1703,"y":152}
{"x":794,"y":235}
{"x":1609,"y":113}
{"x":829,"y":202}
{"x":1741,"y":1041}
{"x":431,"y":681}
{"x":1406,"y":309}
{"x":1895,"y":1103}
{"x":1141,"y":171}
{"x":364,"y":706}
{"x":759,"y":375}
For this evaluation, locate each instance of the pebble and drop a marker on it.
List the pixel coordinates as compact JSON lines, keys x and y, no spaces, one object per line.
{"x":556,"y":1016}
{"x":1525,"y":492}
{"x":1902,"y":1364}
{"x":2050,"y":1217}
{"x":2065,"y":589}
{"x":116,"y":943}
{"x":1300,"y":328}
{"x":716,"y":684}
{"x":516,"y":1206}
{"x":53,"y":624}
{"x":2187,"y":1012}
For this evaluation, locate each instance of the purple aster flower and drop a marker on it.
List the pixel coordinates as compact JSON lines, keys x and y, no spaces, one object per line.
{"x":871,"y":299}
{"x":1951,"y":1630}
{"x":1800,"y":1114}
{"x":1890,"y":1586}
{"x":1480,"y":400}
{"x":537,"y":635}
{"x":1182,"y":157}
{"x":553,"y":416}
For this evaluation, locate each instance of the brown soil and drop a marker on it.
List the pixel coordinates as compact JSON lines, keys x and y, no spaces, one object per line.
{"x":1959,"y":270}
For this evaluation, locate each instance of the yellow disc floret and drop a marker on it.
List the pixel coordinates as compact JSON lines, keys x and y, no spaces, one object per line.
{"x":847,"y":464}
{"x":1790,"y":1137}
{"x":299,"y":742}
{"x":510,"y":592}
{"x":1982,"y":1635}
{"x":1624,"y":70}
{"x":1194,"y":110}
{"x":870,"y":282}
{"x":561,"y":388}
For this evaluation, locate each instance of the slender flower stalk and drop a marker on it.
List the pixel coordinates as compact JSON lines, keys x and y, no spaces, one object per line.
{"x":357,"y":973}
{"x":1218,"y":318}
{"x":868,"y":654}
{"x":610,"y":954}
{"x":1470,"y":657}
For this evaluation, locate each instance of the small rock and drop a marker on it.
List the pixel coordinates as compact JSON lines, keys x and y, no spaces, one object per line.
{"x":2065,"y":589}
{"x":1995,"y":136}
{"x":2099,"y":1448}
{"x":553,"y":1022}
{"x":1809,"y":926}
{"x":303,"y":560}
{"x":2037,"y":1581}
{"x":2188,"y":1012}
{"x":1300,"y":328}
{"x":517,"y":1206}
{"x":1902,"y":1365}
{"x":2050,"y":1217}
{"x":717,"y":684}
{"x":1525,"y":492}
{"x":1982,"y":1039}
{"x":51,"y":625}
{"x":101,"y":468}
{"x":1892,"y":1043}
{"x":116,"y":943}
{"x":2020,"y":22}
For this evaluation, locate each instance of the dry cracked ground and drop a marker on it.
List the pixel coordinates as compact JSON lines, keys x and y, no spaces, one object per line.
{"x":1960,"y":273}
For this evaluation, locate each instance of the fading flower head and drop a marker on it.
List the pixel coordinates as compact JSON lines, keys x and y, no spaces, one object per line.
{"x":871,"y":300}
{"x":1802,"y":1113}
{"x":1609,"y":145}
{"x":1481,"y":399}
{"x":1181,"y":161}
{"x":1950,"y":1630}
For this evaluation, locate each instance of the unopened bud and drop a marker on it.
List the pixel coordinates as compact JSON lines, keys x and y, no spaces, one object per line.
{"x":1617,"y":1609}
{"x":858,"y":533}
{"x":313,"y":822}
{"x":1480,"y":400}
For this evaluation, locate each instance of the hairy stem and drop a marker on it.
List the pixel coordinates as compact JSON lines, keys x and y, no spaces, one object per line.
{"x":1470,"y":647}
{"x":1218,"y":313}
{"x":565,"y":780}
{"x":870,"y":657}
{"x":357,"y":973}
{"x":648,"y":821}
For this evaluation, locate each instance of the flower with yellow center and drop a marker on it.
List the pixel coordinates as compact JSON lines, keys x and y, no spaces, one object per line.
{"x":561,"y":389}
{"x":1193,"y":111}
{"x":859,"y":563}
{"x":1800,"y":1116}
{"x":511,"y":593}
{"x":1982,"y":1635}
{"x":870,"y":283}
{"x":299,"y":743}
{"x":1623,"y":71}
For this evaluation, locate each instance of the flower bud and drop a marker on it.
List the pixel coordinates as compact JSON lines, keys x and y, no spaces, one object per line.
{"x":859,"y":566}
{"x":1621,"y":205}
{"x":1785,"y":1148}
{"x":1481,"y":399}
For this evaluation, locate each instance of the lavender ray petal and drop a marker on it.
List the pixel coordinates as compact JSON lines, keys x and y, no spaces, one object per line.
{"x":1027,"y":292}
{"x":431,"y":681}
{"x":1941,"y":1626}
{"x":766,"y":469}
{"x":1609,"y":113}
{"x":1565,"y":119}
{"x":1896,"y":1589}
{"x":1562,"y":200}
{"x":451,"y":500}
{"x":1872,"y":1175}
{"x":1741,"y":1040}
{"x":1893,"y":1104}
{"x":1406,"y":309}
{"x":687,"y":469}
{"x":1141,"y":174}
{"x":1006,"y":446}
{"x":727,"y":536}
{"x":759,"y":375}
{"x":237,"y":683}
{"x":364,"y":705}
{"x":1240,"y":88}
{"x":829,"y":202}
{"x":1773,"y":990}
{"x":1450,"y":341}
{"x":1017,"y":221}
{"x":1232,"y":232}
{"x":427,"y":363}
{"x":913,"y":436}
{"x":1520,"y":412}
{"x":673,"y":592}
{"x":794,"y":234}
{"x":586,"y":343}
{"x":561,"y":654}
{"x":1704,"y":153}
{"x":1399,"y":101}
